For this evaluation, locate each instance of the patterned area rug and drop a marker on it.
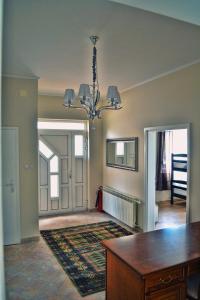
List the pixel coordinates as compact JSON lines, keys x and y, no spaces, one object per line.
{"x":80,"y":253}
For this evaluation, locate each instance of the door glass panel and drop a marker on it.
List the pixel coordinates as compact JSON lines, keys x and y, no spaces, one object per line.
{"x":78,"y":145}
{"x":43,"y":166}
{"x":45,"y":150}
{"x":54,"y":187}
{"x":54,"y":164}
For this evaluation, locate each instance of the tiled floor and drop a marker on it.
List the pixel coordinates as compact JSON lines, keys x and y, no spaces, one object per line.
{"x":171,"y":215}
{"x":32,"y":271}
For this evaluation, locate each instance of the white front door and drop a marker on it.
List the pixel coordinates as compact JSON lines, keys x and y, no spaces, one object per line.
{"x":10,"y":181}
{"x":62,"y":172}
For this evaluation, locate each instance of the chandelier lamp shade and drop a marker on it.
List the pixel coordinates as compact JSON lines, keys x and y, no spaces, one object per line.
{"x":89,"y":94}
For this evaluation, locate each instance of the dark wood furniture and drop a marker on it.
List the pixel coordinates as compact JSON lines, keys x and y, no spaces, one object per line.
{"x":153,"y":265}
{"x":178,"y":186}
{"x":193,"y":287}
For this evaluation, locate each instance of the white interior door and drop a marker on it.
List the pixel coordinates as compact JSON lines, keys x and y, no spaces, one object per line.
{"x":10,"y":181}
{"x":62,"y":172}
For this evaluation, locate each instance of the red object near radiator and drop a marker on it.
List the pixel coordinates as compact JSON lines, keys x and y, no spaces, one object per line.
{"x":99,"y":201}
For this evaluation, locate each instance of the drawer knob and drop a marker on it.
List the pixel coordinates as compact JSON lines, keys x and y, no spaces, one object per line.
{"x":166,"y":280}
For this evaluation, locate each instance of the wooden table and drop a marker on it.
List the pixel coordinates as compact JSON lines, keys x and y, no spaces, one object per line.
{"x":152,"y":265}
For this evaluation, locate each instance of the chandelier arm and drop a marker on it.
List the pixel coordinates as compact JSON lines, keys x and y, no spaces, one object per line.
{"x":97,"y":97}
{"x":109,"y":107}
{"x":84,"y":107}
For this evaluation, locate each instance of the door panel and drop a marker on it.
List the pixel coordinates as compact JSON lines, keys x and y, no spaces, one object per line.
{"x":79,"y":170}
{"x":54,"y":204}
{"x":63,"y":174}
{"x":65,"y":197}
{"x":79,"y":196}
{"x":10,"y":182}
{"x":64,"y":170}
{"x":43,"y":171}
{"x":44,"y":199}
{"x":43,"y":195}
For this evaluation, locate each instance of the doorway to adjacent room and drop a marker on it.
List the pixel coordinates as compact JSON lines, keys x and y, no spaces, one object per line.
{"x":167,"y":164}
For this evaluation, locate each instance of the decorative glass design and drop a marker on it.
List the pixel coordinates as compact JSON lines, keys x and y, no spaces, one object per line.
{"x":44,"y":149}
{"x":54,"y":164}
{"x":54,"y":186}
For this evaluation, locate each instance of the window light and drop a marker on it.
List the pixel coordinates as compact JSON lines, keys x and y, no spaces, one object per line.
{"x":54,"y":186}
{"x":45,"y":150}
{"x":61,"y":125}
{"x":78,"y":145}
{"x":54,"y":164}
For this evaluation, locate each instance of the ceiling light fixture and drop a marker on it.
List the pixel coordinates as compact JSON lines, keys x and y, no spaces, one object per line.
{"x":89,"y":95}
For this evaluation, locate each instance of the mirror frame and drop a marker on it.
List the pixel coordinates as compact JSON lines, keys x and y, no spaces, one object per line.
{"x":135,"y":139}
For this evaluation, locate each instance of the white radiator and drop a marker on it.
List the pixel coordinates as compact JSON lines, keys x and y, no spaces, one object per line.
{"x":121,"y":206}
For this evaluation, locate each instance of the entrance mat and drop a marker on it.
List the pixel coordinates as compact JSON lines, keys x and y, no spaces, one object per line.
{"x":80,"y":253}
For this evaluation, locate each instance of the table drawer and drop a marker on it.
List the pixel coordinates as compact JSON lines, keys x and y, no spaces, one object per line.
{"x":164,"y":278}
{"x":174,"y":292}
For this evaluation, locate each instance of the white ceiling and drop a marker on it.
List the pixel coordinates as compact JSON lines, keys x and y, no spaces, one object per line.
{"x":184,"y":10}
{"x":49,"y":39}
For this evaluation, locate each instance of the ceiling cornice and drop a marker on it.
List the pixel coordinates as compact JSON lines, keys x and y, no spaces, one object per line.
{"x":50,"y":94}
{"x":17,"y":76}
{"x":161,"y":75}
{"x":182,"y":10}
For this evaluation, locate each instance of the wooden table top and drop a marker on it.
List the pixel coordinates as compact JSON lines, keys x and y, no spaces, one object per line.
{"x":160,"y":249}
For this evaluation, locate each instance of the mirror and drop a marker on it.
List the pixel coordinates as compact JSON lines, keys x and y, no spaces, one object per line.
{"x":122,"y":153}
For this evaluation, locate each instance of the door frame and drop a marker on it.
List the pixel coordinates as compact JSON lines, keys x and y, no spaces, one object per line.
{"x":86,"y":133}
{"x":16,"y":130}
{"x":148,"y":202}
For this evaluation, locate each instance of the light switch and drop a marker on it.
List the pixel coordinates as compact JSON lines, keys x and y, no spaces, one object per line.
{"x":28,"y":166}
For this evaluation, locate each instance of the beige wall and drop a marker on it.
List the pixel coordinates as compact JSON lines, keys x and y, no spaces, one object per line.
{"x":52,"y":107}
{"x":173,"y":99}
{"x":19,"y":109}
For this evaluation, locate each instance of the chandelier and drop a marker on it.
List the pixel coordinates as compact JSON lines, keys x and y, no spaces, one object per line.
{"x":89,"y":94}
